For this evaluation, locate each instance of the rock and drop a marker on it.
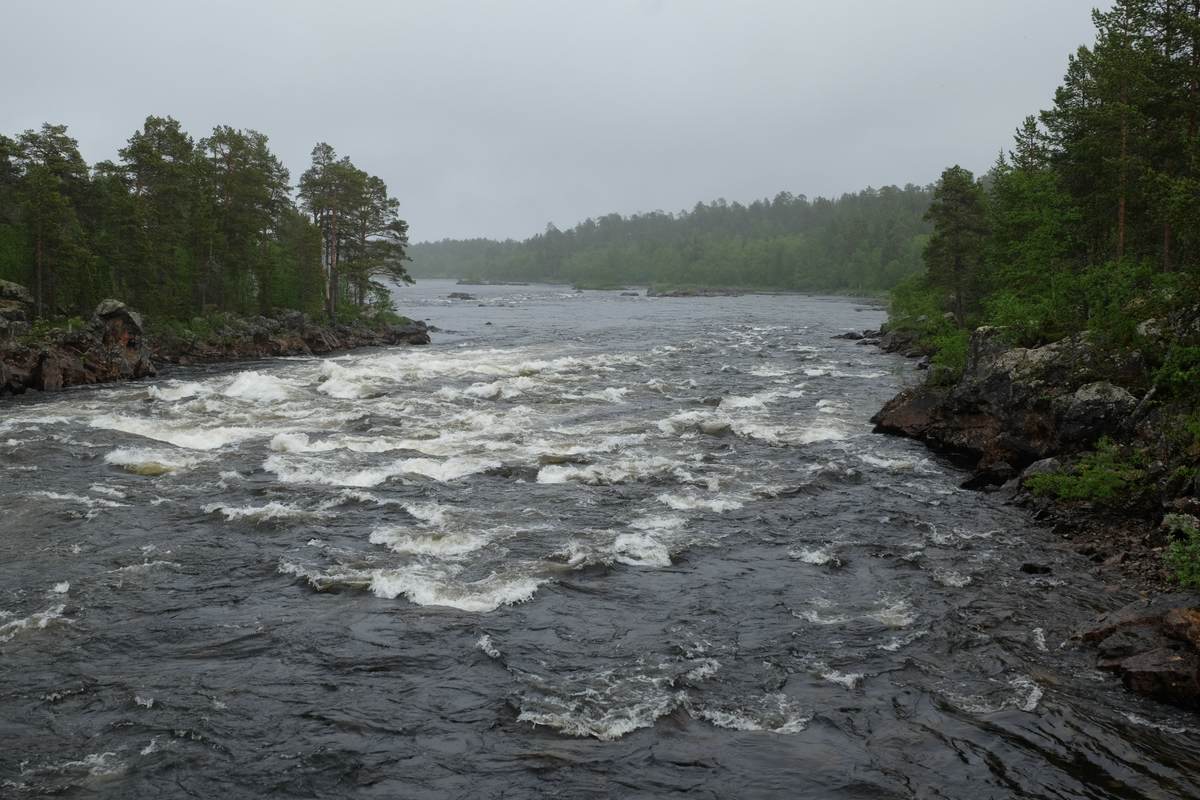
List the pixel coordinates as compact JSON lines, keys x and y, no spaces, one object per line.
{"x":16,"y":292}
{"x":1094,"y":409}
{"x":630,"y":294}
{"x":293,"y":320}
{"x":911,"y":413}
{"x":851,"y":335}
{"x":14,"y":311}
{"x":1183,"y":624}
{"x":114,"y":309}
{"x":711,"y":401}
{"x":1019,"y":405}
{"x":715,"y":427}
{"x":1149,"y":612}
{"x":894,"y":341}
{"x":1044,"y":466}
{"x":1151,"y":329}
{"x":1127,"y":642}
{"x":1033,"y":568}
{"x":47,"y":375}
{"x":990,"y":474}
{"x":460,"y":296}
{"x":1165,"y":674}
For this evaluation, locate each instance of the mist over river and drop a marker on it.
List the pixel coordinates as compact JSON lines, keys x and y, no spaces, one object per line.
{"x":537,"y":559}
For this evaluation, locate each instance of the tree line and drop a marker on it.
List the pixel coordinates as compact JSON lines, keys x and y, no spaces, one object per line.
{"x":1091,"y":221}
{"x":183,"y":227}
{"x":862,"y":242}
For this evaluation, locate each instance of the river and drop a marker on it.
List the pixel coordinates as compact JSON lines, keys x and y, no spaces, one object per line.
{"x":537,"y":558}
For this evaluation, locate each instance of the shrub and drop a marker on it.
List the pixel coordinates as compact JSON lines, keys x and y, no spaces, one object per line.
{"x":916,"y":306}
{"x":1107,"y":477}
{"x":1183,"y":554}
{"x":1179,"y":376}
{"x":1027,"y":321}
{"x":948,"y":363}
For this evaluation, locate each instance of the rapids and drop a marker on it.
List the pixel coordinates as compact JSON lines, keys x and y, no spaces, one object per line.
{"x":537,"y":558}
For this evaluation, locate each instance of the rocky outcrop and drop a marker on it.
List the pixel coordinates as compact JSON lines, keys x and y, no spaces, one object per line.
{"x":114,"y":345}
{"x":110,"y":347}
{"x":16,"y":306}
{"x":1154,"y":645}
{"x":288,"y":333}
{"x":1014,"y":406}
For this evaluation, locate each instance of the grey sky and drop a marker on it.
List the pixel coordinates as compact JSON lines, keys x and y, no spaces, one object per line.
{"x":492,"y":118}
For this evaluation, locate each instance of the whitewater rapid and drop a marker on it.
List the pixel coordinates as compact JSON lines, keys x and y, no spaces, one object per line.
{"x":603,"y":545}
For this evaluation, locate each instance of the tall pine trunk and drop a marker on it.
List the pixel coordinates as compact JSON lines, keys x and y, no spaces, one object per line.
{"x":1121,"y":188}
{"x":39,"y":274}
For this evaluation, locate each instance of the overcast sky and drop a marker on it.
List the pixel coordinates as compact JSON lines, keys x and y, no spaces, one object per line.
{"x":493,"y":118}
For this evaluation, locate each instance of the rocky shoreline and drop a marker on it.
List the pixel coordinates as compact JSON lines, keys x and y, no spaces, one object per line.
{"x":116,"y":344}
{"x":1017,"y":413}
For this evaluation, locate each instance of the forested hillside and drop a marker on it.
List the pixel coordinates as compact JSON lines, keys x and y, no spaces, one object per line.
{"x":182,"y":227}
{"x":1092,"y":220}
{"x":1061,"y":296}
{"x":858,"y":243}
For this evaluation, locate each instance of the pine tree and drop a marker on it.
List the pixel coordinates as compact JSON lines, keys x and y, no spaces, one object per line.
{"x":954,"y":254}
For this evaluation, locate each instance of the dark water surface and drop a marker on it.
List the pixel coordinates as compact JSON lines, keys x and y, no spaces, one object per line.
{"x":529,"y":561}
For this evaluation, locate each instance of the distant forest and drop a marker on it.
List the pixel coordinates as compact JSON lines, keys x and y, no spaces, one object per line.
{"x":862,"y":242}
{"x":183,"y":227}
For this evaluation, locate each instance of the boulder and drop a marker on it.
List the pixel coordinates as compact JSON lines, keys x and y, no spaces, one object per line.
{"x":1045,"y":466}
{"x":911,"y":413}
{"x":114,"y":309}
{"x":1183,"y":624}
{"x":1164,"y":674}
{"x":48,"y":374}
{"x":15,"y":292}
{"x":1140,"y":613}
{"x":1094,"y":409}
{"x":1127,"y":642}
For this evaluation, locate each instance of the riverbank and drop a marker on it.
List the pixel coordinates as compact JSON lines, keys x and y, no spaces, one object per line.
{"x":116,"y":344}
{"x":1085,"y":438}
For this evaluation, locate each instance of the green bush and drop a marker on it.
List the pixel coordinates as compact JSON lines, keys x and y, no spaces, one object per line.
{"x":1027,"y":321}
{"x":1108,"y":477}
{"x":1120,"y":294}
{"x":1183,"y":554}
{"x":1179,"y":376}
{"x":916,"y":306}
{"x":948,"y":363}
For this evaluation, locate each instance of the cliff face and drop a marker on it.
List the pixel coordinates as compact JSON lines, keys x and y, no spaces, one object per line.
{"x":114,"y":345}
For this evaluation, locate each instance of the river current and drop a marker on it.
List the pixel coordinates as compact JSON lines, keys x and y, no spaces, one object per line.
{"x":537,"y":558}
